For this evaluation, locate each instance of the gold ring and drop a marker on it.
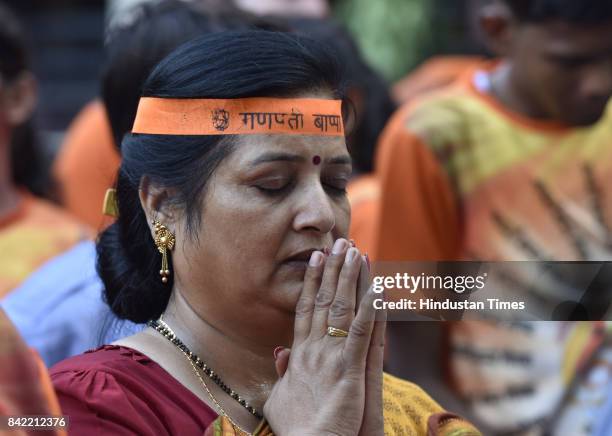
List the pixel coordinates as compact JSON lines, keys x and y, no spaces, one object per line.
{"x":337,"y":333}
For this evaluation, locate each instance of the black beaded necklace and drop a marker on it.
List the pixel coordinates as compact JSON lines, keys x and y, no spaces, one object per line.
{"x":168,"y":334}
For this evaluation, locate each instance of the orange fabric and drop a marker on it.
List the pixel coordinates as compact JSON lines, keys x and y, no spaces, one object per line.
{"x":87,"y":165}
{"x":261,"y":115}
{"x":364,"y":195}
{"x":417,"y":217}
{"x":33,"y":234}
{"x":453,"y":161}
{"x":25,"y":386}
{"x":364,"y":191}
{"x":435,"y":73}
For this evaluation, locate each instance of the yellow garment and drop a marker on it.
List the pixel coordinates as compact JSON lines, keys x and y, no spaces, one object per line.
{"x":407,"y":409}
{"x":36,"y":232}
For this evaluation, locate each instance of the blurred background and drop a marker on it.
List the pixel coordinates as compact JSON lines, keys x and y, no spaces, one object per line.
{"x":66,"y":39}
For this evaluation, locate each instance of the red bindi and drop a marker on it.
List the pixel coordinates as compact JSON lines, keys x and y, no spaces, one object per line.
{"x":316,"y":160}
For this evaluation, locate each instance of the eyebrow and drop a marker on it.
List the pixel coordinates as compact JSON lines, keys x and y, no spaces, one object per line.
{"x":340,"y":160}
{"x":287,"y":157}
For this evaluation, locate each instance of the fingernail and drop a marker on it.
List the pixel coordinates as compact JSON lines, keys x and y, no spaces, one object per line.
{"x":277,"y":350}
{"x":339,"y":246}
{"x":367,"y":259}
{"x":315,"y":258}
{"x":350,"y":255}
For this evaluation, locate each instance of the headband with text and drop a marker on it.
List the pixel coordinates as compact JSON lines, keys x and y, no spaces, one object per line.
{"x":260,"y":115}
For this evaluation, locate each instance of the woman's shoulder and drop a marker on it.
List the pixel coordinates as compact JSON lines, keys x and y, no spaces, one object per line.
{"x":408,"y":409}
{"x":109,"y":371}
{"x":105,"y":356}
{"x":118,"y":390}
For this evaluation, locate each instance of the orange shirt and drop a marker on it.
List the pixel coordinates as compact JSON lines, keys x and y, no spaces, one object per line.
{"x":363,"y":193}
{"x":32,"y":235}
{"x":87,"y":164}
{"x":462,"y":177}
{"x":364,"y":190}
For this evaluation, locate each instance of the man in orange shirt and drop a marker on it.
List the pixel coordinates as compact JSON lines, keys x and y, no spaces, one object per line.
{"x":513,"y":162}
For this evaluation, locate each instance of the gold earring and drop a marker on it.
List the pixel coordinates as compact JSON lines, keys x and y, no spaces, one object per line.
{"x":164,"y":240}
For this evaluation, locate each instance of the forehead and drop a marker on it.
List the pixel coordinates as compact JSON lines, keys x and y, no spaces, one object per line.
{"x":561,"y":37}
{"x":250,"y":147}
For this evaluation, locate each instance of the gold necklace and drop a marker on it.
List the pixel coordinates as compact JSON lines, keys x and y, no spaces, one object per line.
{"x":197,"y":373}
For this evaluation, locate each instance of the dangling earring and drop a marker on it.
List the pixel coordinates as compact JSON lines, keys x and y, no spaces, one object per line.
{"x":164,"y":240}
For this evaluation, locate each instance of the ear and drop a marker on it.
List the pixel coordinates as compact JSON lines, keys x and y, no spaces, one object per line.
{"x":19,"y":98}
{"x":156,"y":202}
{"x":497,"y":24}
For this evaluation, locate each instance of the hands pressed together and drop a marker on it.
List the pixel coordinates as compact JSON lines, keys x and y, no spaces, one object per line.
{"x":332,"y":385}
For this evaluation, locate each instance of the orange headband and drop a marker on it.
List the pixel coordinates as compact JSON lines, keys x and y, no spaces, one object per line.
{"x":302,"y":116}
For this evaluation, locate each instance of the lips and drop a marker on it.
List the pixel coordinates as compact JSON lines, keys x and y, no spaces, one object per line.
{"x":302,"y":256}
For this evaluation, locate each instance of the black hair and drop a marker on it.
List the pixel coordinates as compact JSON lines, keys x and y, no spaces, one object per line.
{"x":27,"y":160}
{"x":377,"y":106}
{"x":222,"y":65}
{"x":571,"y":11}
{"x":133,"y":49}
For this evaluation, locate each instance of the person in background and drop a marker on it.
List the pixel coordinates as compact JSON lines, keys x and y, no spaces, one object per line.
{"x":25,"y":386}
{"x":512,"y":162}
{"x":32,"y":229}
{"x":73,"y":317}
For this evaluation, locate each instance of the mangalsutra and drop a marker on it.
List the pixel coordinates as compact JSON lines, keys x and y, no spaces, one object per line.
{"x":161,"y":327}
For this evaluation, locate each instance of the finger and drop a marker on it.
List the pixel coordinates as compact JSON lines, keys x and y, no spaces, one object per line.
{"x":373,"y":422}
{"x":305,"y":305}
{"x":282,"y":361}
{"x":360,"y":333}
{"x":342,"y":309}
{"x":327,"y":291}
{"x":364,"y":280}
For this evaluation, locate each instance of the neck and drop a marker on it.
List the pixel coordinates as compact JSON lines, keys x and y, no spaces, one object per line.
{"x":9,"y":194}
{"x":246,"y":367}
{"x":506,"y":88}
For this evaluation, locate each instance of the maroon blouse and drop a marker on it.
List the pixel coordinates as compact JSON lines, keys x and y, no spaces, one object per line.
{"x":117,"y":390}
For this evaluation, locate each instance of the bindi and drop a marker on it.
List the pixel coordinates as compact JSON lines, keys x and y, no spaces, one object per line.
{"x":316,"y":160}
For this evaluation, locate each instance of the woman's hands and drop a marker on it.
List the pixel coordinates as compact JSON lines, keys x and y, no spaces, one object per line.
{"x":331,"y":385}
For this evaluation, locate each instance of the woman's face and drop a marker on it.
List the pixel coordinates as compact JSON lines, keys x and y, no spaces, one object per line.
{"x":268,"y":205}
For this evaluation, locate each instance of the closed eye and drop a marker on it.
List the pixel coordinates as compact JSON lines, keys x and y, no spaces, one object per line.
{"x":336,"y":186}
{"x":273,"y":186}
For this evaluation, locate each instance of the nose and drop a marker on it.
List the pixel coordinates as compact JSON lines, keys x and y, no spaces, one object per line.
{"x":597,"y":81}
{"x":315,"y":212}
